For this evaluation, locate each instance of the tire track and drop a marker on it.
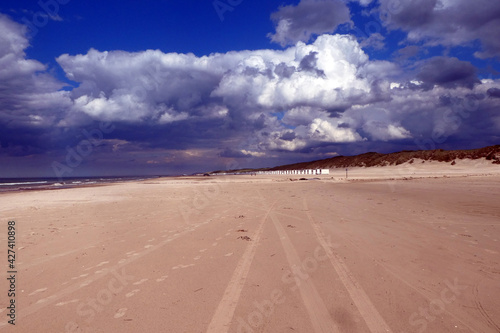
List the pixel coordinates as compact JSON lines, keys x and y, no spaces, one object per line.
{"x":77,"y":286}
{"x":427,"y":295}
{"x":370,"y":314}
{"x":321,"y":319}
{"x":396,"y":273}
{"x":222,"y":318}
{"x":482,"y":311}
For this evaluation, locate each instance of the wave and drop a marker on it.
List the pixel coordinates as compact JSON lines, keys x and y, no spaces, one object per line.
{"x":23,"y":183}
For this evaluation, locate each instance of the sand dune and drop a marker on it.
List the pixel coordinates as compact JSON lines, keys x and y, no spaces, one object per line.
{"x":261,"y":254}
{"x":490,"y":154}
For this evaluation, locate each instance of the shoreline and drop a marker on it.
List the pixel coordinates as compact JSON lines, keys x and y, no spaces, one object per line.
{"x":417,"y":169}
{"x":50,"y":183}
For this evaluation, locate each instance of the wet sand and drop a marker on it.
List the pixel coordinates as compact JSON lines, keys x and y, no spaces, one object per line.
{"x":257,"y":254}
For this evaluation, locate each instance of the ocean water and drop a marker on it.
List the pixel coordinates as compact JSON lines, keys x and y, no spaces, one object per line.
{"x":26,"y":184}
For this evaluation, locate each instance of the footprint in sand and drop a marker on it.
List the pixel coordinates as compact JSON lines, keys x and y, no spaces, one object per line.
{"x":68,"y":302}
{"x":120,"y":313}
{"x":37,"y":291}
{"x":139,"y":282}
{"x":86,"y":283}
{"x":132,"y":293}
{"x":43,"y":300}
{"x":161,"y":279}
{"x":182,"y":266}
{"x":77,"y":277}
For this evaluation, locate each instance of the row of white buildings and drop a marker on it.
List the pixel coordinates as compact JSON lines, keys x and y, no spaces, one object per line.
{"x":296,"y":172}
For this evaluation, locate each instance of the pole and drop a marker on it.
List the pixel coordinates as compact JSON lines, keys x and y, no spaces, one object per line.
{"x":345,"y":173}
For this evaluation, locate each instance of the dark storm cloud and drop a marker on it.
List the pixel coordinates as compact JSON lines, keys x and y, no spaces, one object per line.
{"x":409,"y":13}
{"x":282,"y":70}
{"x":448,"y":72}
{"x":408,"y":52}
{"x":31,"y":103}
{"x":448,"y":23}
{"x":494,"y":92}
{"x":309,"y":63}
{"x":288,"y":136}
{"x":308,"y":18}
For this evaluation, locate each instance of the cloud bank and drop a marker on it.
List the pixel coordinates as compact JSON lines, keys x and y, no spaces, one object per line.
{"x":311,"y":98}
{"x":447,"y":22}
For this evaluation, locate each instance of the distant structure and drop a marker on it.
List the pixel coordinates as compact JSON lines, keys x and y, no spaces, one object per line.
{"x":278,"y":172}
{"x":296,"y":172}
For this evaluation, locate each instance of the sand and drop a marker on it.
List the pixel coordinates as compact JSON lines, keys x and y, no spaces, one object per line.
{"x":259,"y":254}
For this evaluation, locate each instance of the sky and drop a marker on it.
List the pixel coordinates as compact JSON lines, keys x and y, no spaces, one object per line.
{"x":167,"y":87}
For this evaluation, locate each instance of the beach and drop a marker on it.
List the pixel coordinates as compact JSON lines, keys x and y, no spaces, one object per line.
{"x":380,"y":251}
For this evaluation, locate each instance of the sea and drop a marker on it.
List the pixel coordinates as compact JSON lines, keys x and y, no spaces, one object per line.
{"x":27,"y":184}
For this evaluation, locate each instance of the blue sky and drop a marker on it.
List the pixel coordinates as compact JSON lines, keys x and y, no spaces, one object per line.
{"x":169,"y":87}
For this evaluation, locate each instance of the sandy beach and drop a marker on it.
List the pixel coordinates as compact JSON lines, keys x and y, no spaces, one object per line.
{"x":378,"y":252}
